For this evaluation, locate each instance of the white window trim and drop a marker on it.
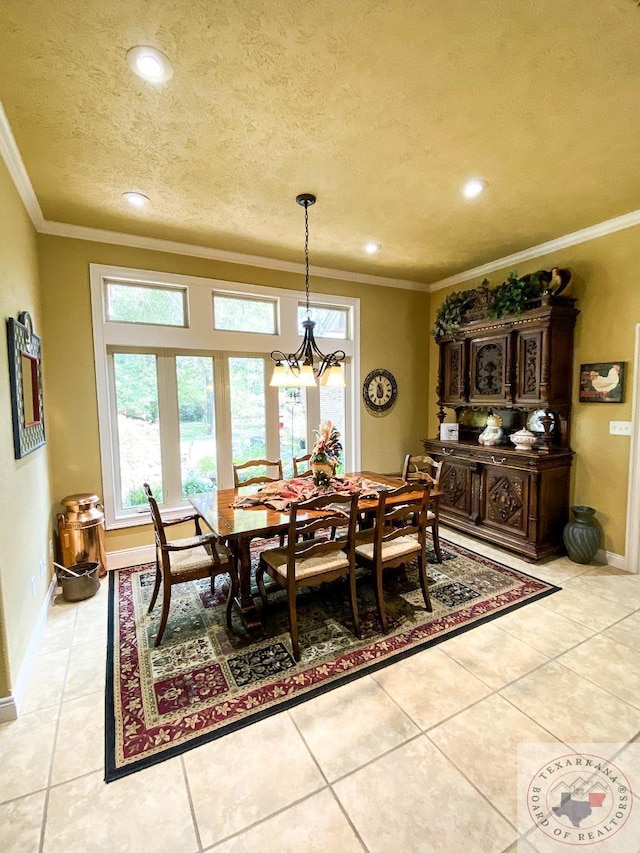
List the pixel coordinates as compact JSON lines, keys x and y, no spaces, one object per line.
{"x":200,"y":337}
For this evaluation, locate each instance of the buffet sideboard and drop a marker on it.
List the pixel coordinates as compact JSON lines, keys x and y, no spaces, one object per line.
{"x":519,"y":368}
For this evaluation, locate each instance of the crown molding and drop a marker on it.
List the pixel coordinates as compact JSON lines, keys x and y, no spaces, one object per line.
{"x":609,"y":226}
{"x":11,"y":156}
{"x":155,"y":244}
{"x":13,"y":161}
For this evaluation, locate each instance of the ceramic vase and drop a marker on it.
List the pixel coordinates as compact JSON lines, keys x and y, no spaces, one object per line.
{"x":581,"y":536}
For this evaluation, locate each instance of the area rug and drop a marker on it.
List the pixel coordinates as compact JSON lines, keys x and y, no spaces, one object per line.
{"x":204,"y":681}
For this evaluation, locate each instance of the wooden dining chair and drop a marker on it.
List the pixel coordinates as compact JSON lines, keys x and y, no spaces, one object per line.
{"x":312,"y":556}
{"x":399,"y":535}
{"x":181,"y":560}
{"x":298,"y":469}
{"x":263,"y":477}
{"x":425,"y":469}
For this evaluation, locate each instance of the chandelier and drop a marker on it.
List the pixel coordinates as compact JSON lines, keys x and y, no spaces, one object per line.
{"x":297,"y":368}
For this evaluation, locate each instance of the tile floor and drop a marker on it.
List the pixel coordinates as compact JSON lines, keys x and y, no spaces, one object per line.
{"x":420,"y":756}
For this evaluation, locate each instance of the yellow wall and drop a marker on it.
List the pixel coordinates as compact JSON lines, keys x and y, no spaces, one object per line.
{"x":605,"y":283}
{"x":24,"y":483}
{"x":392,"y":327}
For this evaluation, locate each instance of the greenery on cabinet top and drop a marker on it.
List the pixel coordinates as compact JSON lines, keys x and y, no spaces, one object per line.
{"x":511,"y":297}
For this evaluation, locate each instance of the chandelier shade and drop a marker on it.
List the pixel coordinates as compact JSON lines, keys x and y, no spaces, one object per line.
{"x":308,"y":363}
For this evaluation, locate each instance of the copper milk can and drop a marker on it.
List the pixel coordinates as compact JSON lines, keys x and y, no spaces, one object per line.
{"x":81,"y":532}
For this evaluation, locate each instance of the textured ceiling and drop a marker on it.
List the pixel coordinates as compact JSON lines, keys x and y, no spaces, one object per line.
{"x":382,"y":108}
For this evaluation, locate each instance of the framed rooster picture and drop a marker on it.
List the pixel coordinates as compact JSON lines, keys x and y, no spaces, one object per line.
{"x":602,"y":382}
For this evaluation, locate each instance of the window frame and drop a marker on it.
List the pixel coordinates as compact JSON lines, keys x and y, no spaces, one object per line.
{"x":200,"y":338}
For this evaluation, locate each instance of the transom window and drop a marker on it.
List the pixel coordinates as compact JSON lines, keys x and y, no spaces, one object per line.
{"x":235,"y":313}
{"x":331,"y":321}
{"x":143,"y":303}
{"x":183,"y":391}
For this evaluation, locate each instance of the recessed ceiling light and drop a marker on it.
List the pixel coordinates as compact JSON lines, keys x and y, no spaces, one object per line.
{"x":149,"y":63}
{"x":136,"y":199}
{"x":473,"y":188}
{"x":372,"y":248}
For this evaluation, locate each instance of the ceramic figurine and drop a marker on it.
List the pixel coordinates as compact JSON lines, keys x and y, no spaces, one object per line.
{"x":492,"y":433}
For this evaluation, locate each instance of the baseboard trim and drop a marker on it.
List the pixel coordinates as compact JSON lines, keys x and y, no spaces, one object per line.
{"x":131,"y":557}
{"x":8,"y":710}
{"x":616,"y":561}
{"x":11,"y":704}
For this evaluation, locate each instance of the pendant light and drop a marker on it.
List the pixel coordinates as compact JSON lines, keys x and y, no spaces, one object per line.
{"x":297,"y":369}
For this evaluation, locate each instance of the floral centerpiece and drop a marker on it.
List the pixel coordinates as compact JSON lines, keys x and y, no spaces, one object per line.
{"x":325,"y":453}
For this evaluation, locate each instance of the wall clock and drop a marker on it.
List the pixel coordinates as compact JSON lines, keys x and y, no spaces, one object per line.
{"x":379,"y":391}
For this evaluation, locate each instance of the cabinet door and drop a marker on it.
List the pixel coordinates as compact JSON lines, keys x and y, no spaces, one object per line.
{"x":506,"y":499}
{"x":455,"y":485}
{"x":453,"y":366}
{"x":531,"y":386}
{"x":490,"y":369}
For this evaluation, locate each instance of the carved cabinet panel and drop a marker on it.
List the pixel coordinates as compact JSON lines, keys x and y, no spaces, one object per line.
{"x":490,"y":369}
{"x":506,"y":497}
{"x":454,"y":372}
{"x":455,"y":485}
{"x":531,"y":385}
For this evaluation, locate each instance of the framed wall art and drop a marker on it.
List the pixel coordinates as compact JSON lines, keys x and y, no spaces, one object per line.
{"x":25,"y":379}
{"x":602,"y":382}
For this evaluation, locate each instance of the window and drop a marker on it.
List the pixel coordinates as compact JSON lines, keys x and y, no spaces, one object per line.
{"x":197,"y":422}
{"x":143,"y":303}
{"x":244,"y":314}
{"x":248,"y":409}
{"x":183,"y":395}
{"x":331,"y":322}
{"x":138,"y":427}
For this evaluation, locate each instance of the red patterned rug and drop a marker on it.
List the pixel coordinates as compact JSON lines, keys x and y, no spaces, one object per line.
{"x":204,"y":681}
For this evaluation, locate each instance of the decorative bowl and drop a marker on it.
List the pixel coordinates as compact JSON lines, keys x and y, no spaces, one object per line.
{"x":523,"y":439}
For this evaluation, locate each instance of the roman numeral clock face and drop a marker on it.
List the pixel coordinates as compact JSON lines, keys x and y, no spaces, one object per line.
{"x":379,"y":391}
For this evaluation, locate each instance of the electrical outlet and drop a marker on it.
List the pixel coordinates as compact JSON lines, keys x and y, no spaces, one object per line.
{"x":43,"y":566}
{"x":34,"y":587}
{"x":619,"y":427}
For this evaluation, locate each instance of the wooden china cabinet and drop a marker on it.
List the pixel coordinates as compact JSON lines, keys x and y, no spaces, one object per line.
{"x":518,"y":367}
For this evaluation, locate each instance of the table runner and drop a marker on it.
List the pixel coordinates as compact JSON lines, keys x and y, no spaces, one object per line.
{"x":280,"y":494}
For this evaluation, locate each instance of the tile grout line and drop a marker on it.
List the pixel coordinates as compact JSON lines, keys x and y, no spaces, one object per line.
{"x":424,"y":733}
{"x":549,"y":658}
{"x":329,"y":784}
{"x":264,"y":819}
{"x":384,"y":754}
{"x":474,"y":786}
{"x":196,"y":829}
{"x":45,"y":810}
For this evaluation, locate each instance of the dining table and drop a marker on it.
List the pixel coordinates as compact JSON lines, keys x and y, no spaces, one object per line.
{"x":239,"y":526}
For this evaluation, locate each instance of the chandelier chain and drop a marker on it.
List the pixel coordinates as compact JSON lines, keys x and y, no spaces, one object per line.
{"x":306,"y":256}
